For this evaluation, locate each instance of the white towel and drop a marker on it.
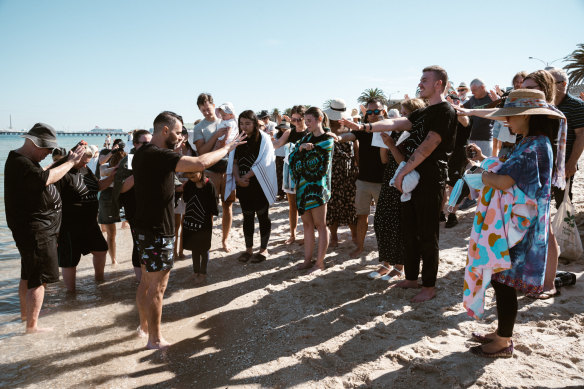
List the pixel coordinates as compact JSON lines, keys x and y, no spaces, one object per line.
{"x":408,"y":184}
{"x":264,"y":169}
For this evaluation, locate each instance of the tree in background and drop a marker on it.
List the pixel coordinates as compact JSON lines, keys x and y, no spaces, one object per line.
{"x":369,"y":94}
{"x":575,"y":67}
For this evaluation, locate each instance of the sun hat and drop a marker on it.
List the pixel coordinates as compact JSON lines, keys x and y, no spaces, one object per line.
{"x":263,"y":114}
{"x":463,"y":85}
{"x":337,"y":110}
{"x":524,"y":102}
{"x":42,"y":135}
{"x":227,"y":108}
{"x":284,"y":125}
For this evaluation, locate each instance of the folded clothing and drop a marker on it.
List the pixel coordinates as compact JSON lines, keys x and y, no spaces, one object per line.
{"x":409,"y":183}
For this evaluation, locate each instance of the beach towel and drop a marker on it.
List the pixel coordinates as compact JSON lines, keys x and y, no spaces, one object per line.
{"x":409,"y":183}
{"x":264,"y":169}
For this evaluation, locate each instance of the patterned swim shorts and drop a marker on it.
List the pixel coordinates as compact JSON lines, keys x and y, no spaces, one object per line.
{"x":156,"y":251}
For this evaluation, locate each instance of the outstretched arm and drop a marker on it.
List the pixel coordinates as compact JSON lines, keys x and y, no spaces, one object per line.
{"x":202,"y":162}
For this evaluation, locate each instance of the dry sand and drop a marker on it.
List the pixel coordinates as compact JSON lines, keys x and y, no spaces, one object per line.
{"x":268,"y":325}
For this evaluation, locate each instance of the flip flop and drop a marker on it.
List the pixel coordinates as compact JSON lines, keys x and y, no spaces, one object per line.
{"x":257,"y":258}
{"x":505,"y":352}
{"x":480,"y":338}
{"x":244,"y":257}
{"x":387,"y":277}
{"x":375,"y":274}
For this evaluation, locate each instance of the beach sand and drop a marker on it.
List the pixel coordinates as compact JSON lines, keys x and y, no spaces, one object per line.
{"x":268,"y":325}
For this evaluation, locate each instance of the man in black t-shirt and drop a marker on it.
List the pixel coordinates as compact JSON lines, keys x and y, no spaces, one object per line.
{"x":368,"y":183}
{"x":433,"y":129}
{"x":33,"y":214}
{"x":154,"y":165}
{"x":481,"y":132}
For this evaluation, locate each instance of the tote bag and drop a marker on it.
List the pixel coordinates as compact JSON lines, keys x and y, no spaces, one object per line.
{"x":564,"y":226}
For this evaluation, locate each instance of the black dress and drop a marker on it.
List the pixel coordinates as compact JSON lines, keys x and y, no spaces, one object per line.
{"x":341,"y":206}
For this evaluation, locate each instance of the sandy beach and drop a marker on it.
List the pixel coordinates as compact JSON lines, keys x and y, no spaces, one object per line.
{"x":268,"y":325}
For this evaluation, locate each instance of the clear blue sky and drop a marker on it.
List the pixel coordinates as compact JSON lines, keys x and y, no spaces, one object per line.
{"x":117,"y":64}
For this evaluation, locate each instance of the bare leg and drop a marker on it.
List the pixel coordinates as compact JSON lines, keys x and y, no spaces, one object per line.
{"x":22,"y":289}
{"x":551,"y":265}
{"x":226,"y":223}
{"x":361,"y":233}
{"x":292,"y":217}
{"x":308,"y":239}
{"x":177,"y":220}
{"x":34,"y":302}
{"x":138,"y":273}
{"x":111,"y":241}
{"x":69,"y":274}
{"x":319,"y":219}
{"x":353,"y":228}
{"x":156,"y":282}
{"x":181,"y":253}
{"x":334,"y":241}
{"x":99,"y":260}
{"x":141,"y":302}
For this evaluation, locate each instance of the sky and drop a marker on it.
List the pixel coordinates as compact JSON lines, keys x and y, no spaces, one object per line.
{"x":117,"y":64}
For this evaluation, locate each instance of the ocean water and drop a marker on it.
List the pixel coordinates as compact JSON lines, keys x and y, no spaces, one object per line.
{"x":9,"y":257}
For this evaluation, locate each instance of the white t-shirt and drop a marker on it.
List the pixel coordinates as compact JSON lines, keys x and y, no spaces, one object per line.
{"x":232,"y":124}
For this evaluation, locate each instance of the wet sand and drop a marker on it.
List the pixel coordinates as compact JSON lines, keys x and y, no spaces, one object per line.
{"x":268,"y":325}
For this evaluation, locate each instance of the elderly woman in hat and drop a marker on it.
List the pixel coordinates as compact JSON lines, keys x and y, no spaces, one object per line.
{"x":527,"y":174}
{"x":341,"y":207}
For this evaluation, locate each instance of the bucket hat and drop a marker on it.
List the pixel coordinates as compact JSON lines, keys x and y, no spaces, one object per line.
{"x":43,"y":136}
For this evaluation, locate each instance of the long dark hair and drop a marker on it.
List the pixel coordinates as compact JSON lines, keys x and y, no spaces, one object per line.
{"x":544,"y":125}
{"x":250,"y":115}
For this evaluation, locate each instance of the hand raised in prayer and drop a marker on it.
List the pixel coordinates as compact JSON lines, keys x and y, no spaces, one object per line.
{"x":76,"y":154}
{"x":493,"y":95}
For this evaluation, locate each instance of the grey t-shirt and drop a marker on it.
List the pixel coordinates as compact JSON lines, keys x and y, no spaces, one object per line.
{"x":205,"y":130}
{"x":481,"y":128}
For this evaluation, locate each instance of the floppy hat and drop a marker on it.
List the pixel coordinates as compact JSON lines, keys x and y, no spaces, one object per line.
{"x":43,"y":136}
{"x":463,"y":85}
{"x":337,"y":110}
{"x":524,"y":102}
{"x":284,"y":125}
{"x":263,"y":114}
{"x":227,"y":108}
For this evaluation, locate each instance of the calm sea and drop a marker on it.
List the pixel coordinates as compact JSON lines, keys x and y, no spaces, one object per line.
{"x":9,"y":257}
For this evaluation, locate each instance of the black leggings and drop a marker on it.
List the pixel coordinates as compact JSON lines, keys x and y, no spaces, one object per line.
{"x":506,"y":308}
{"x":200,"y":260}
{"x":249,"y":226}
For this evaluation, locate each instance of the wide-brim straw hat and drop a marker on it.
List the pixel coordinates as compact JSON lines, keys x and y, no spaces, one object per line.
{"x":337,"y":110}
{"x":524,"y":102}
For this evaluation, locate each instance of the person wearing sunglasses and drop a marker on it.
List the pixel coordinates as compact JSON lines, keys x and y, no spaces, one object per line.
{"x":370,"y":171}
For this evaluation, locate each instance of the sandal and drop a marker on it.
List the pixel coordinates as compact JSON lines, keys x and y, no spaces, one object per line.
{"x":482,"y":339}
{"x":257,"y":258}
{"x":387,"y":277}
{"x":244,"y":257}
{"x":543,"y":295}
{"x":375,"y":274}
{"x":505,"y":352}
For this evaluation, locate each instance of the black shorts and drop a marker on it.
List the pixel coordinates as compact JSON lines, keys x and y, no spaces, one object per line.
{"x":156,"y":251}
{"x":79,"y":240}
{"x":38,"y":259}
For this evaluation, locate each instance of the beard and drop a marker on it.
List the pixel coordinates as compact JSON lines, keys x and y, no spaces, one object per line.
{"x":170,"y":145}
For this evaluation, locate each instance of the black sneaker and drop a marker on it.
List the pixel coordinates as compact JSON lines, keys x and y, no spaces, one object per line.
{"x":452,"y":221}
{"x":442,"y":217}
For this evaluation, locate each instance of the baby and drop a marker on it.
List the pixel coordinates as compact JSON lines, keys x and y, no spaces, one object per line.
{"x":227,"y":115}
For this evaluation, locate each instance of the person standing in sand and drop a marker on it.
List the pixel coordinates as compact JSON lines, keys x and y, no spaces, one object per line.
{"x":33,"y":214}
{"x":154,"y":165}
{"x":431,"y":141}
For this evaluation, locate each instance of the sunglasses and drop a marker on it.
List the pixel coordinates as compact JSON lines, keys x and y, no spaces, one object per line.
{"x":373,"y":112}
{"x":142,"y":143}
{"x":296,"y":120}
{"x":462,"y":90}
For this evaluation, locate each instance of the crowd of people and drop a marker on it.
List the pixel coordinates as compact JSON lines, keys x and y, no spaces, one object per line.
{"x":513,"y":148}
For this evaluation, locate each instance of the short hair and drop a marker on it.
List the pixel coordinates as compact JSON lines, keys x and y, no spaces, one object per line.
{"x":166,"y":118}
{"x":374,"y":100}
{"x":412,"y":105}
{"x":477,"y":82}
{"x":204,"y":98}
{"x":298,"y":109}
{"x":315,"y":112}
{"x":393,"y":113}
{"x":521,"y":74}
{"x":138,"y":134}
{"x":117,"y":140}
{"x":546,"y":83}
{"x":439,"y":72}
{"x":559,"y":74}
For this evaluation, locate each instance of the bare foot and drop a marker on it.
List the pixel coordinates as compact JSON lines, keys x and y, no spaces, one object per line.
{"x":226,"y":247}
{"x":290,"y":240}
{"x":315,"y":269}
{"x":141,"y":333}
{"x":114,"y":262}
{"x":407,"y":284}
{"x":304,"y":265}
{"x":160,"y":345}
{"x":181,"y":255}
{"x":497,"y":344}
{"x":35,"y":330}
{"x":201,"y":279}
{"x":357,"y":252}
{"x":425,"y":295}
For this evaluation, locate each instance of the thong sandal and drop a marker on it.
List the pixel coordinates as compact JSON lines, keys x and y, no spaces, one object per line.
{"x":543,"y":295}
{"x":244,"y":257}
{"x":505,"y":352}
{"x":375,"y":274}
{"x":387,"y":277}
{"x":482,"y":339}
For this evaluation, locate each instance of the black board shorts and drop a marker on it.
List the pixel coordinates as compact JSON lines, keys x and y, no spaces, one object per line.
{"x":38,"y":259}
{"x":156,"y":250}
{"x":79,"y":240}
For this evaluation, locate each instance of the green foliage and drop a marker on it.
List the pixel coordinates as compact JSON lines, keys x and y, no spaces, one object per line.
{"x":575,"y":67}
{"x":373,"y":93}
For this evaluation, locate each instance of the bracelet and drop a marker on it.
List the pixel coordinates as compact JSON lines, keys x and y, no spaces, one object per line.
{"x":370,"y":127}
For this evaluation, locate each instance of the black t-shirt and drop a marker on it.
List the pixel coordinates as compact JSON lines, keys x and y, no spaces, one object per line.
{"x":79,"y":189}
{"x":153,"y":169}
{"x":481,"y":128}
{"x":200,"y":206}
{"x":370,"y":165}
{"x":30,"y":205}
{"x":251,"y":196}
{"x":295,"y":136}
{"x":441,"y":119}
{"x":573,"y":109}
